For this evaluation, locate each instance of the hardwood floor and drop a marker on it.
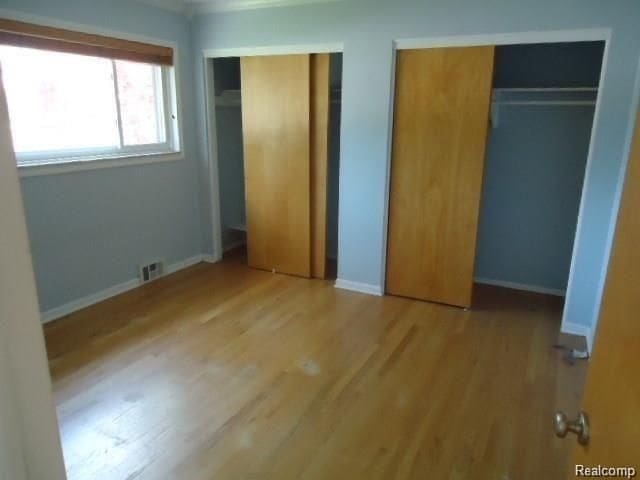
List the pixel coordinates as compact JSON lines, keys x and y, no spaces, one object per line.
{"x":224,"y":372}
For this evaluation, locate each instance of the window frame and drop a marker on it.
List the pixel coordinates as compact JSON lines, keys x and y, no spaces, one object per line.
{"x":168,"y":124}
{"x":99,"y":162}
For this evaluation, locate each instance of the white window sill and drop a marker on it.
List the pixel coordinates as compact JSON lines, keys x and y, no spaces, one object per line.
{"x":79,"y":164}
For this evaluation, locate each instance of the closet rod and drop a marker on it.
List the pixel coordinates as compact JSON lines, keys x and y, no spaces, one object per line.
{"x":558,"y":96}
{"x":545,"y":102}
{"x":547,"y":89}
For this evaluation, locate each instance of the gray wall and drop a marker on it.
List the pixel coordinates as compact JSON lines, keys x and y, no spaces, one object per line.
{"x":90,"y":230}
{"x":367,"y":29}
{"x":535,"y":166}
{"x":231,"y":172}
{"x":333,"y":180}
{"x":533,"y":181}
{"x":227,"y":74}
{"x":333,"y":175}
{"x":228,"y":123}
{"x":548,"y":65}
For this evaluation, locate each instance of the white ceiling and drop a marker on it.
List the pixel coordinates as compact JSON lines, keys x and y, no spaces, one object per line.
{"x":208,"y":6}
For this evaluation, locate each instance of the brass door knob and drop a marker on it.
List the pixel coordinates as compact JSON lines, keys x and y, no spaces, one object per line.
{"x":580,"y":426}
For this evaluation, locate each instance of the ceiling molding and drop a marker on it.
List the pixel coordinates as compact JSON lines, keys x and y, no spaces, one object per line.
{"x":179,"y":6}
{"x":196,"y":7}
{"x":215,"y":6}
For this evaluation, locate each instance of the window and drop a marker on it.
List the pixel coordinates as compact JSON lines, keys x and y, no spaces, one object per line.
{"x":65,"y":106}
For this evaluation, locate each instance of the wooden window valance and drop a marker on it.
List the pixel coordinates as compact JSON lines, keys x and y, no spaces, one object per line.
{"x":22,"y":34}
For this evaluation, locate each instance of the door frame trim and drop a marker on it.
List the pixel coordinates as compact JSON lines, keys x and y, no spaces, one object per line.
{"x":510,"y":38}
{"x":303,"y":49}
{"x":208,"y":55}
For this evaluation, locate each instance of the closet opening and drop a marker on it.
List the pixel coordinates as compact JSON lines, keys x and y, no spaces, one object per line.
{"x":542,"y":114}
{"x":263,"y":189}
{"x":490,"y":146}
{"x":333,"y":198}
{"x":228,"y":122}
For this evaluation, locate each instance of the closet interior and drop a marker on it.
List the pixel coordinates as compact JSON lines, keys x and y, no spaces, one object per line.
{"x":228,"y":121}
{"x":542,"y":114}
{"x":277,"y":122}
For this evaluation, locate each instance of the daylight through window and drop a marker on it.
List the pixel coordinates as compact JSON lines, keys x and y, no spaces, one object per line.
{"x":65,"y":106}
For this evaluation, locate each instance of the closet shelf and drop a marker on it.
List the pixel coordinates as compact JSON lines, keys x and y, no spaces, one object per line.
{"x":545,"y":96}
{"x":554,"y":96}
{"x":547,"y":89}
{"x":335,"y":94}
{"x":229,"y":98}
{"x":240,"y":227}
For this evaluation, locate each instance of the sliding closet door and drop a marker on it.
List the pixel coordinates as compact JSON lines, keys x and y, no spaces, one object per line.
{"x":440,"y":129}
{"x":276,"y":130}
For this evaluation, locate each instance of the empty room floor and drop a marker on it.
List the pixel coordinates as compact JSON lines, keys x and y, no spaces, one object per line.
{"x":220,"y":371}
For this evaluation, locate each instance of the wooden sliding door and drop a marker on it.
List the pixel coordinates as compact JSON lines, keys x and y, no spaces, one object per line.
{"x":277,"y":113}
{"x":276,"y":129}
{"x":441,"y":116}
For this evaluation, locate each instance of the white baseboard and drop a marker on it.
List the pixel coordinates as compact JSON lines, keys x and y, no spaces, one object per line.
{"x":359,"y":287}
{"x":236,"y":244}
{"x":187,"y":262}
{"x":521,"y":286}
{"x":590,"y":339}
{"x":580,"y":330}
{"x":83,"y":302}
{"x":210,"y":258}
{"x":112,"y":291}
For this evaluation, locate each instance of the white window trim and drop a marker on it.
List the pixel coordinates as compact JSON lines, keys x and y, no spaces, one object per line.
{"x":173,"y":107}
{"x":85,"y":164}
{"x":79,"y":158}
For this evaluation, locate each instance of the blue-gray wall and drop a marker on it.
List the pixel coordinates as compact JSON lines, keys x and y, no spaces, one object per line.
{"x":333,"y":174}
{"x":533,"y":182}
{"x":231,"y":172}
{"x":333,"y":180}
{"x":367,"y":29}
{"x":90,"y":230}
{"x":548,"y":65}
{"x":227,"y":74}
{"x":228,"y":123}
{"x":535,"y":165}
